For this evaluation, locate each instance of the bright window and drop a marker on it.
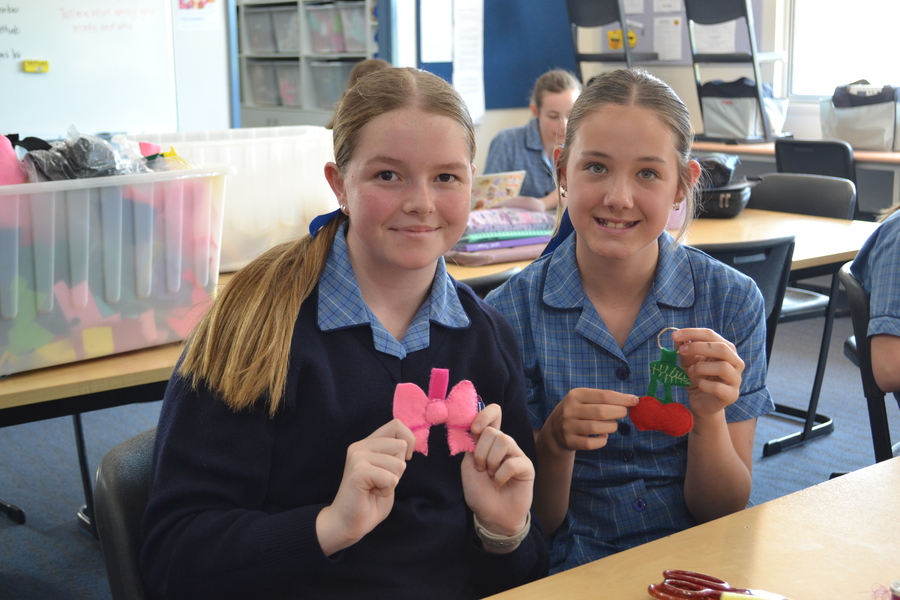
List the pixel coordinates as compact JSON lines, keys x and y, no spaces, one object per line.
{"x":836,"y":42}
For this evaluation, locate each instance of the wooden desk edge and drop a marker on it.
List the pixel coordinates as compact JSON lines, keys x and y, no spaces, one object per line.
{"x":768,"y":149}
{"x":119,"y":371}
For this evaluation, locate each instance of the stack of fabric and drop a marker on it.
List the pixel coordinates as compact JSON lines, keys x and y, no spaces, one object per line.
{"x":498,"y":235}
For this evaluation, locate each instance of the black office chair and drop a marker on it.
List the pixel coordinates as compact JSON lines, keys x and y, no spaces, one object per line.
{"x":599,"y":13}
{"x":861,"y":355}
{"x":120,"y":497}
{"x":833,"y":158}
{"x":815,"y":195}
{"x":483,"y":284}
{"x":768,"y":263}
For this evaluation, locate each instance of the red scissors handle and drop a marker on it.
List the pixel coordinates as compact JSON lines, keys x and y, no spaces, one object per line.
{"x":665,"y":591}
{"x":702,"y":579}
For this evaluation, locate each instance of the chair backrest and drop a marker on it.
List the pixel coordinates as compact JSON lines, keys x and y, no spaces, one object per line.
{"x":485,"y":283}
{"x":816,"y":157}
{"x":593,"y":13}
{"x":859,"y":315}
{"x":120,"y":497}
{"x":768,"y":263}
{"x":709,"y":12}
{"x":816,"y":195}
{"x":597,"y":13}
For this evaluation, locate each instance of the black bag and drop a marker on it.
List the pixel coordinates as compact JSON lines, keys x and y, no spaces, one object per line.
{"x":722,"y":195}
{"x":845,"y":97}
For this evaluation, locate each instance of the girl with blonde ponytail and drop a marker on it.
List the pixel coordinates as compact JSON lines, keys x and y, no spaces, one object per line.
{"x":279,"y":471}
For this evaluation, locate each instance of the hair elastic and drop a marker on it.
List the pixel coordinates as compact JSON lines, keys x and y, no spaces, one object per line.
{"x":321,"y":221}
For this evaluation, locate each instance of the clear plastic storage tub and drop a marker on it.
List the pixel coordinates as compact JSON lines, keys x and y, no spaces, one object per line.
{"x":264,"y":82}
{"x":287,"y":31}
{"x":325,"y":28}
{"x":260,"y":33}
{"x":353,"y":22}
{"x":289,"y":83}
{"x":330,"y":78}
{"x":93,"y":267}
{"x":278,"y":188}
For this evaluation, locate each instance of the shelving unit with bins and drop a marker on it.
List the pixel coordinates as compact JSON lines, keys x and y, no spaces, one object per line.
{"x":295,"y":56}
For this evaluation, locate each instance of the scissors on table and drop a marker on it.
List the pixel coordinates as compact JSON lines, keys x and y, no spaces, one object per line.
{"x":688,"y":585}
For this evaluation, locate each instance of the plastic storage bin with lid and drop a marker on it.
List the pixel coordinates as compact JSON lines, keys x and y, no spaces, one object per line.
{"x":93,"y":267}
{"x":278,"y":188}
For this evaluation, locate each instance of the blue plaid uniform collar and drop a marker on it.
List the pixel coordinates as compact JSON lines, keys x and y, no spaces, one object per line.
{"x":672,"y":285}
{"x":341,"y":304}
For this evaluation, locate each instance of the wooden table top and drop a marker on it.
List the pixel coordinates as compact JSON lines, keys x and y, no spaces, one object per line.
{"x":819,"y":240}
{"x":768,"y":149}
{"x":839,"y":539}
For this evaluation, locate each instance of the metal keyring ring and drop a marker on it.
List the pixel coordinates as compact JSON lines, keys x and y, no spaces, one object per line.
{"x":659,"y":337}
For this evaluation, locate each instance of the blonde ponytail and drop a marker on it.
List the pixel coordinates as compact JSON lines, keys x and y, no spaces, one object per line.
{"x":241,"y":347}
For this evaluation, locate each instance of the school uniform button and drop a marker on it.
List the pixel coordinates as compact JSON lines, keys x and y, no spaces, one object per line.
{"x":624,"y":428}
{"x":623,"y":373}
{"x":639,"y":504}
{"x":626,"y":455}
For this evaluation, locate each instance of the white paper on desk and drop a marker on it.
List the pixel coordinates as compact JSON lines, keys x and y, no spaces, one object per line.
{"x":667,"y":37}
{"x":634,"y":7}
{"x":715,"y":39}
{"x":436,"y":26}
{"x":468,"y":55}
{"x":663,"y":6}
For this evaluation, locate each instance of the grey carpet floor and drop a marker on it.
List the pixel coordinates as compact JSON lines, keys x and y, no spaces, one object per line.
{"x":51,"y":557}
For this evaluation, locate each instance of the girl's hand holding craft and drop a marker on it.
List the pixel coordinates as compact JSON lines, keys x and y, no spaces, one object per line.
{"x":365,"y":497}
{"x":714,"y":367}
{"x":498,"y":478}
{"x":585,"y":417}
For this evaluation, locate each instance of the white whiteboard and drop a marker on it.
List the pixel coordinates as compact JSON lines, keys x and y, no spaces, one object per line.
{"x":111,"y":67}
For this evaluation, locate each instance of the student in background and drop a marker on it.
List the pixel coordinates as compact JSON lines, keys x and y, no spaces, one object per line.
{"x":877,"y":267}
{"x":530,"y":147}
{"x":592,"y":314}
{"x":278,"y":470}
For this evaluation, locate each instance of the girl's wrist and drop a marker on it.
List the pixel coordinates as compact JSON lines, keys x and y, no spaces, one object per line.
{"x":491,"y":540}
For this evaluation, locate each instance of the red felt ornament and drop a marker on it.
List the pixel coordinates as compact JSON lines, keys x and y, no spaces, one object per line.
{"x":667,"y":416}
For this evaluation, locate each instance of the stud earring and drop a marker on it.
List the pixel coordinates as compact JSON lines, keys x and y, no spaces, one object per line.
{"x":563,"y":193}
{"x":344,"y":209}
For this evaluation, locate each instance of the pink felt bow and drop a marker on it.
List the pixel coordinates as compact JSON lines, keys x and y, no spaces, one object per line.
{"x":419,"y":412}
